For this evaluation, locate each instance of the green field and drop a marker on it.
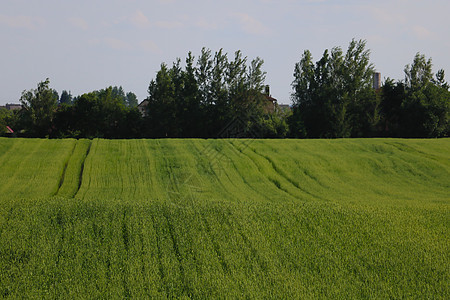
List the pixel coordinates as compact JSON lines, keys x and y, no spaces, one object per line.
{"x":284,"y":219}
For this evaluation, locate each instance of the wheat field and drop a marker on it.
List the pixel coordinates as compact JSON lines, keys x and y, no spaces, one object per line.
{"x":236,"y":218}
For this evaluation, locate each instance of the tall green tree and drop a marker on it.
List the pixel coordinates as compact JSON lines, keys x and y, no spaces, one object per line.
{"x":419,"y":74}
{"x":218,"y":108}
{"x":203,"y":76}
{"x":419,"y":105}
{"x":66,"y":97}
{"x":201,"y":100}
{"x":426,"y":107}
{"x":302,"y":96}
{"x":131,"y":99}
{"x":162,"y":121}
{"x":190,"y":110}
{"x":392,"y":96}
{"x":363,"y":102}
{"x":333,"y":97}
{"x":39,"y":107}
{"x":128,"y":99}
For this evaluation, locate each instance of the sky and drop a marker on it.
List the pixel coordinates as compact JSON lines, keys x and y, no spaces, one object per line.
{"x":87,"y":45}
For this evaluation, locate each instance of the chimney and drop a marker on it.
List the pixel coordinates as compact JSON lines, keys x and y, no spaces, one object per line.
{"x":267,"y":90}
{"x":377,"y":80}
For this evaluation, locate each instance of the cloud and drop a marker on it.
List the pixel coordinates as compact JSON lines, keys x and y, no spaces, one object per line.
{"x":387,"y":17}
{"x":79,"y":23}
{"x":206,"y":25}
{"x":116,"y":44}
{"x":169,"y":24}
{"x":251,"y":25}
{"x":26,"y":22}
{"x":423,"y":33}
{"x":150,"y":46}
{"x":139,"y":19}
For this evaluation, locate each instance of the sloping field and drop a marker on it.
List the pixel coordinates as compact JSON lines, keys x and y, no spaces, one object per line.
{"x":168,"y":218}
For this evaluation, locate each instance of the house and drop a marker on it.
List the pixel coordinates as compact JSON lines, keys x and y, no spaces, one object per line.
{"x":13,"y":106}
{"x":270,"y":103}
{"x":142,"y":107}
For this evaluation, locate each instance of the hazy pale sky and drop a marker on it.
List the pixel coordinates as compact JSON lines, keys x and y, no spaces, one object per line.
{"x":88,"y":45}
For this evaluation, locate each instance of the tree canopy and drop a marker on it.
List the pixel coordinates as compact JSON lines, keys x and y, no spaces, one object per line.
{"x":419,"y":106}
{"x":218,"y":95}
{"x":39,"y":106}
{"x":334,"y":97}
{"x":198,"y":100}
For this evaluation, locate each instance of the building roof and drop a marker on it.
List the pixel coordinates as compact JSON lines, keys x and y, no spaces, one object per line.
{"x":12,"y":106}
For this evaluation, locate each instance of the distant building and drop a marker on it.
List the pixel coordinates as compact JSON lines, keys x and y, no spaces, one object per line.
{"x":284,"y":107}
{"x":270,"y":103}
{"x":377,"y":80}
{"x":142,"y":107}
{"x":13,"y":106}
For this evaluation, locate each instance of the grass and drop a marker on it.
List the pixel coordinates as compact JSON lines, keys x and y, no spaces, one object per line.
{"x":359,"y":218}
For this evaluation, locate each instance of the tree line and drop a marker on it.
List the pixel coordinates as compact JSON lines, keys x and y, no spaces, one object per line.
{"x":212,"y":96}
{"x":334,"y":97}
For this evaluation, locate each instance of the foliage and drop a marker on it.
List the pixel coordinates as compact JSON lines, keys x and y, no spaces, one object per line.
{"x":7,"y":118}
{"x":419,"y":106}
{"x":97,"y":114}
{"x":161,"y":107}
{"x":333,"y":98}
{"x":39,"y":106}
{"x":201,"y":100}
{"x":129,"y":99}
{"x":213,"y":95}
{"x":66,"y":97}
{"x":172,"y":218}
{"x":273,"y":125}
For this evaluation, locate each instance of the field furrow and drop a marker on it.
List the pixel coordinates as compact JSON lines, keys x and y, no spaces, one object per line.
{"x":83,"y":161}
{"x":278,"y":177}
{"x":268,"y":177}
{"x":246,"y":175}
{"x":63,"y":175}
{"x":7,"y":147}
{"x":82,"y":185}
